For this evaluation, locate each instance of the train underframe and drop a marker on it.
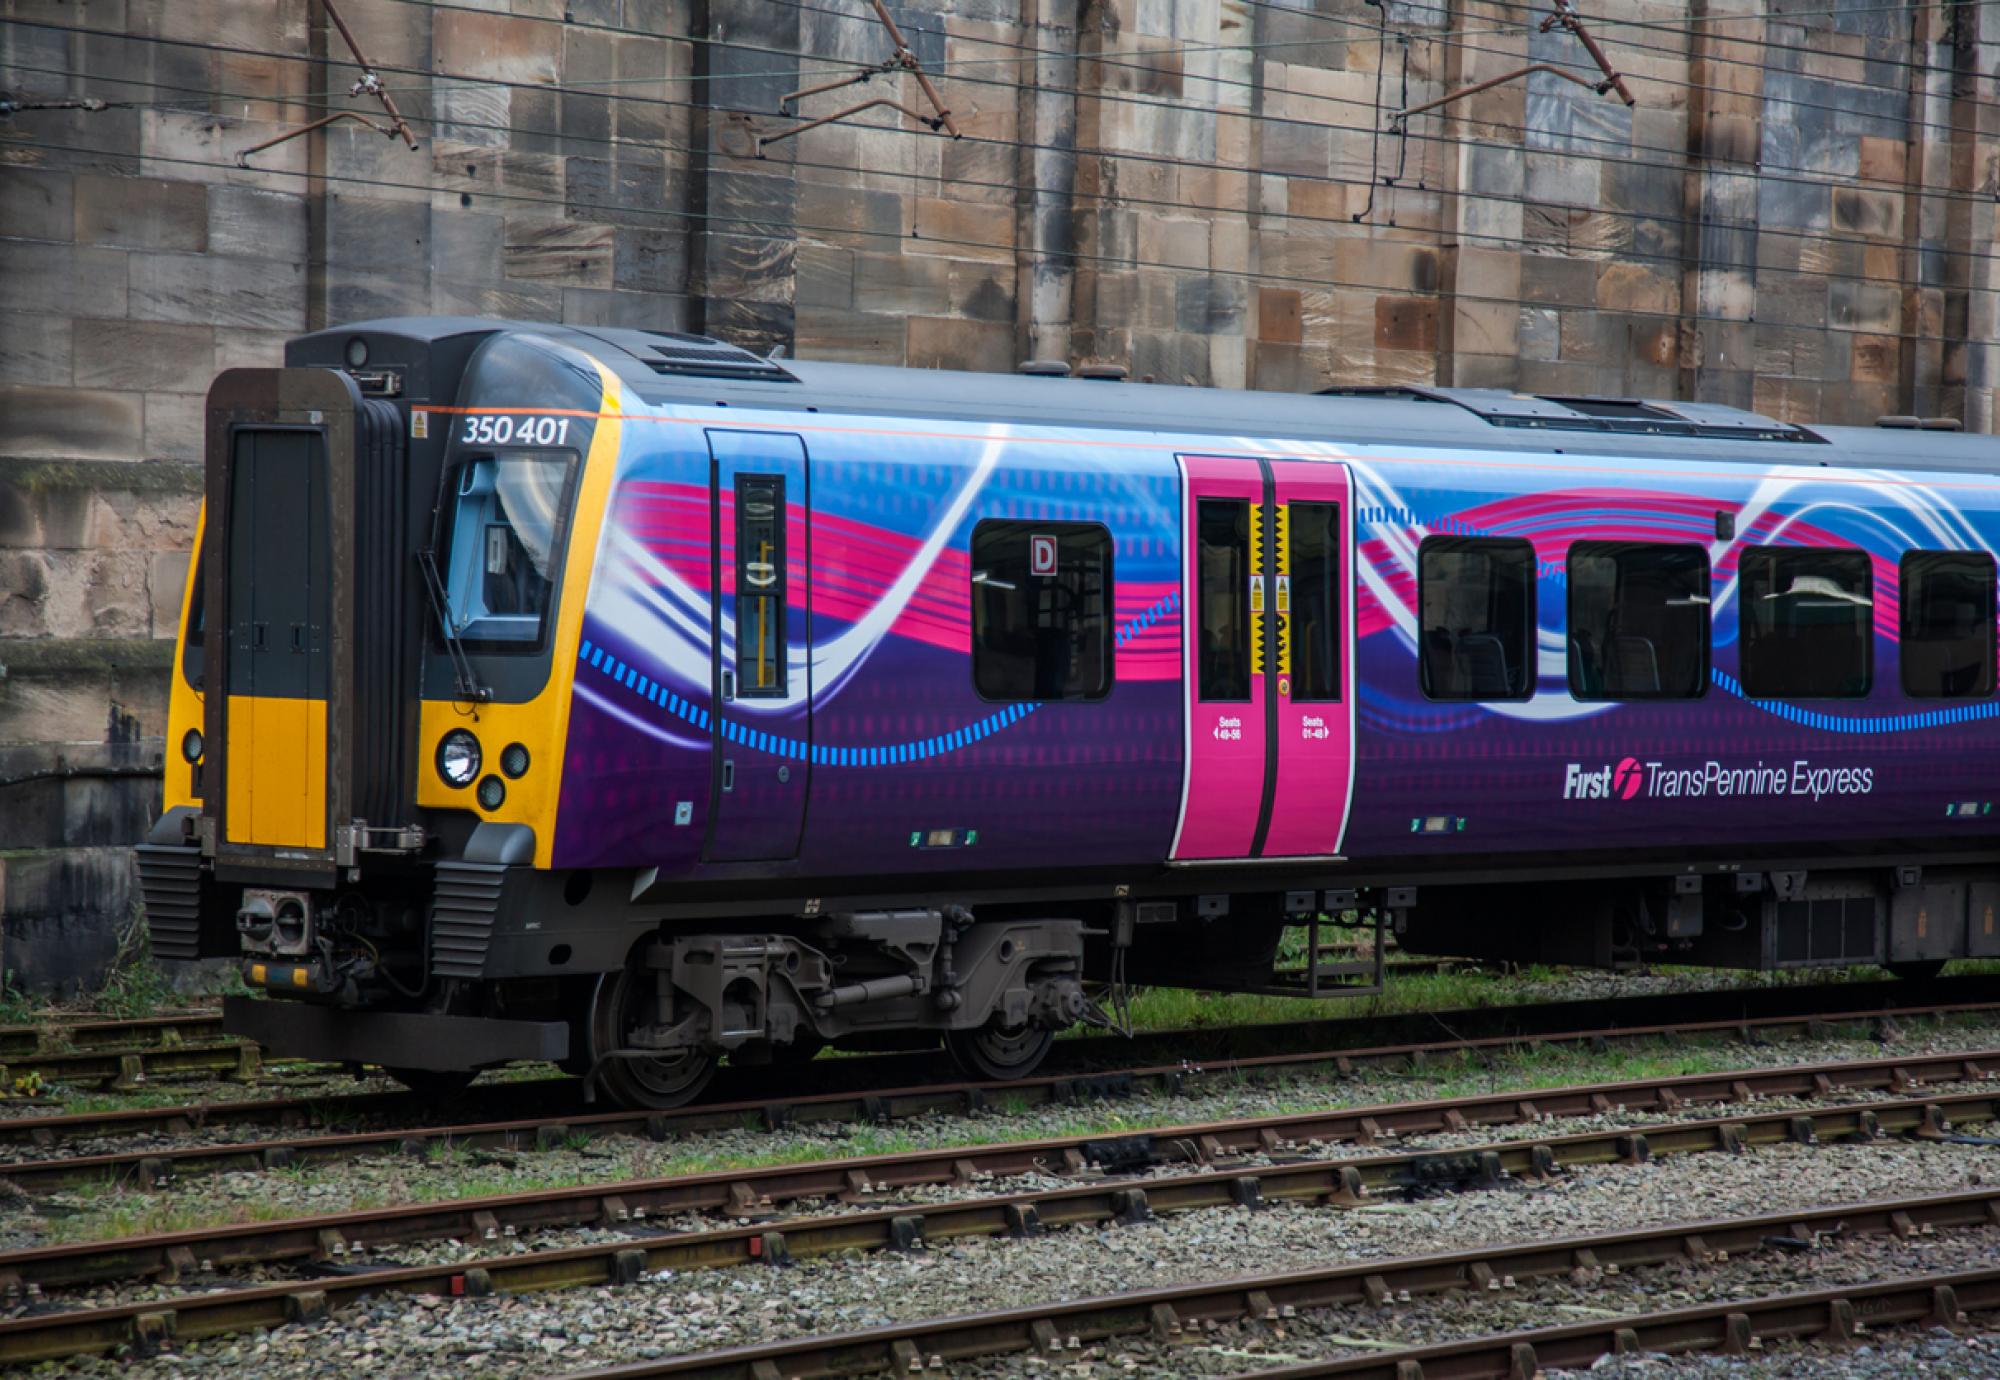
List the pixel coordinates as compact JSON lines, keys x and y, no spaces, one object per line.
{"x":434,"y":970}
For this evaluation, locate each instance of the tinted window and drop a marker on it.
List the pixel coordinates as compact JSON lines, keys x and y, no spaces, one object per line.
{"x":1222,"y":660}
{"x":1478,"y":603}
{"x":1638,"y":621}
{"x":760,"y":586}
{"x":1807,"y":617}
{"x":194,"y":645}
{"x":506,"y":540}
{"x":1310,"y":595}
{"x":1041,"y":610}
{"x":1947,"y":624}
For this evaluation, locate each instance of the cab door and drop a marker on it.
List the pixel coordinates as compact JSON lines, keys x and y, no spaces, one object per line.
{"x":278,"y":604}
{"x":761,"y":645}
{"x":1268,"y":667}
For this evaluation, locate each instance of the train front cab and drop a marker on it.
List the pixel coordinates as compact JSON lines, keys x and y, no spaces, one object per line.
{"x":295,"y":836}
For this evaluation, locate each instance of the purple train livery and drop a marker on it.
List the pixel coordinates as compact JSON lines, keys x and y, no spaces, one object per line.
{"x":627,"y":700}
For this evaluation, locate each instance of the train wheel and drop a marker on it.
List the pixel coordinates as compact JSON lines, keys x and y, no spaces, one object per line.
{"x":999,"y":1052}
{"x":433,"y":1083}
{"x":659,"y":1082}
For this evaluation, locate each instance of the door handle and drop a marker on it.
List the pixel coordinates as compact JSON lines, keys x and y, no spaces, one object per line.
{"x":257,"y":631}
{"x":298,"y":637}
{"x":728,"y":774}
{"x":728,"y":685}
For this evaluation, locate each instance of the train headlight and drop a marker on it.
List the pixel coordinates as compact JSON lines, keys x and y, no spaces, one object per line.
{"x":191,"y":745}
{"x":492,"y":793}
{"x":514,"y":760}
{"x":458,"y":758}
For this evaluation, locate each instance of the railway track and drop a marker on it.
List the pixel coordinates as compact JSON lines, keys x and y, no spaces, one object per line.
{"x":49,"y":1335}
{"x":1738,"y":1327}
{"x":56,"y":1034}
{"x":125,"y":1053}
{"x":1774,"y":1010}
{"x":1210,"y":1146}
{"x":156,"y":1057}
{"x":156,"y":1165}
{"x":1226,"y":1178}
{"x":1944,"y":1299}
{"x":128,"y":1069}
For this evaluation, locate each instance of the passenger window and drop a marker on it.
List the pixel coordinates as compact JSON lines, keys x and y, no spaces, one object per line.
{"x":1638,"y":621}
{"x":1478,"y":604}
{"x":1041,"y":610}
{"x":760,"y":586}
{"x":1222,"y":661}
{"x":1310,"y":594}
{"x":1807,"y":616}
{"x":507,"y":533}
{"x":1947,"y":624}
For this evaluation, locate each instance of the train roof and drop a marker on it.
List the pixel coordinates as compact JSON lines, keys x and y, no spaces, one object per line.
{"x":670,"y":367}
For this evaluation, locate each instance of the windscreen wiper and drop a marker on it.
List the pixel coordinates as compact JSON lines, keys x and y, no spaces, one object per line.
{"x":468,"y":685}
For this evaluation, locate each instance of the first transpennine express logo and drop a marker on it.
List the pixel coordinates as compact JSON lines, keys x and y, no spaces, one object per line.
{"x":1633,"y":778}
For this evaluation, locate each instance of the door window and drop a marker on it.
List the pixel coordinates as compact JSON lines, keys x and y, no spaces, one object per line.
{"x":1311,"y":589}
{"x":1041,"y":610}
{"x":1223,"y":660}
{"x":760,"y":586}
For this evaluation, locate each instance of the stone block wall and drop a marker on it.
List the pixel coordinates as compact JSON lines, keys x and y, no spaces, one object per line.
{"x":1796,"y":215}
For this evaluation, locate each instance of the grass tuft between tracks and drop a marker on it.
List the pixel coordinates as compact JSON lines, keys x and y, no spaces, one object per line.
{"x":1161,"y":1008}
{"x":448,"y":1172}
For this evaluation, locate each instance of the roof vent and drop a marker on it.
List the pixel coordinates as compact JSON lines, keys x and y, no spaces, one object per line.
{"x":1629,"y":416}
{"x":700,"y":356}
{"x":1045,"y":368}
{"x":1107,"y":373}
{"x":1907,"y":423}
{"x":1611,"y":409}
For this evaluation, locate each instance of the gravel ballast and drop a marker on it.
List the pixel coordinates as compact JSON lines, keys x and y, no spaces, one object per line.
{"x":531,"y":1335}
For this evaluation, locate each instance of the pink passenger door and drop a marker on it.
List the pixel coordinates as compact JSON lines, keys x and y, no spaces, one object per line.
{"x":1267,"y":581}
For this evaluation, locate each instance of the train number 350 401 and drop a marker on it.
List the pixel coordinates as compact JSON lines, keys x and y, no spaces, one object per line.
{"x":486,"y":429}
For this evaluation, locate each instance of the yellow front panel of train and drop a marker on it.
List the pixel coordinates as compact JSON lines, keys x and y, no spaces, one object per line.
{"x":276,"y":762}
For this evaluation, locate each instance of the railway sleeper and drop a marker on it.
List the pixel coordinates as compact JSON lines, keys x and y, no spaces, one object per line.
{"x":1382,"y":1283}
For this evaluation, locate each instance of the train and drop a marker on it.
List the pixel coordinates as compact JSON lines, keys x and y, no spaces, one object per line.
{"x":629,"y":700}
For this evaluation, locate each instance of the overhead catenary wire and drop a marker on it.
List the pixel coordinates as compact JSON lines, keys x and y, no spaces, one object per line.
{"x":766,"y":230}
{"x":1680,"y":219}
{"x":1029,"y":53}
{"x":1485,"y":239}
{"x":1766,"y":172}
{"x":462,"y":81}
